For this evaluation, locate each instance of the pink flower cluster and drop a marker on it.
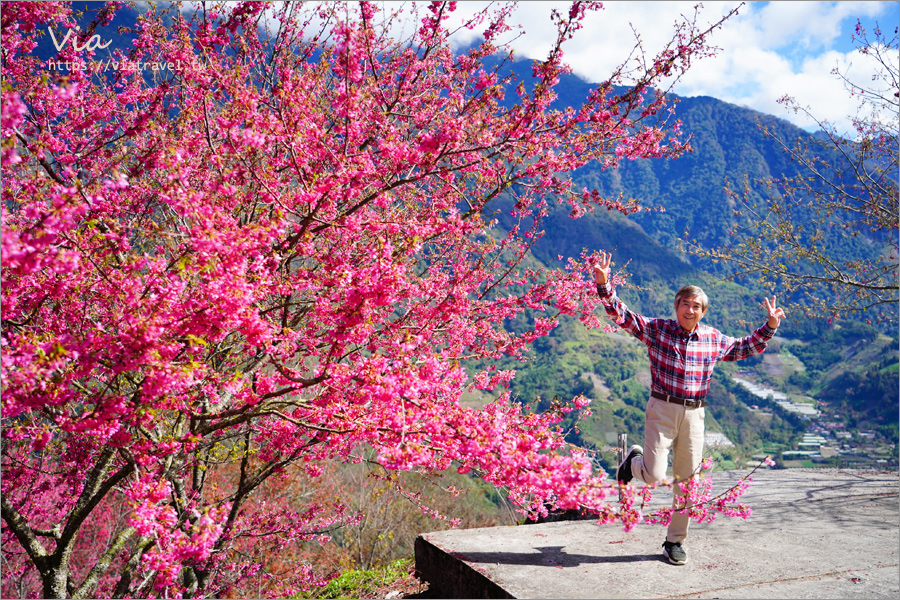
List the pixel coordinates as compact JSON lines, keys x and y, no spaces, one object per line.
{"x":173,"y":544}
{"x":276,"y":253}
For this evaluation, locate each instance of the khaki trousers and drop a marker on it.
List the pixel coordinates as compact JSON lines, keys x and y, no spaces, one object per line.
{"x":671,"y":426}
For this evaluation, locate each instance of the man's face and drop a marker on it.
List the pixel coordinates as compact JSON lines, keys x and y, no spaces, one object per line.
{"x":689,"y":312}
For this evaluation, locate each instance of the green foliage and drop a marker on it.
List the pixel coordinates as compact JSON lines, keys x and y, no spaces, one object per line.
{"x":630,"y":391}
{"x":832,"y":343}
{"x":362,"y":584}
{"x":854,"y":369}
{"x":890,"y":431}
{"x":632,"y":420}
{"x":871,"y":395}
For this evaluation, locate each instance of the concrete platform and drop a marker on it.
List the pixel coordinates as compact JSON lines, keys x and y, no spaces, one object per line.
{"x":813,"y":534}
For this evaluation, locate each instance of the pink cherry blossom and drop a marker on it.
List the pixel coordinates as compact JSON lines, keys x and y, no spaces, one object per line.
{"x":271,"y":254}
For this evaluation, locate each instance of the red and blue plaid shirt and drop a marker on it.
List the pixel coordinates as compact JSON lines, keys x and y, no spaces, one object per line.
{"x":681,"y":362}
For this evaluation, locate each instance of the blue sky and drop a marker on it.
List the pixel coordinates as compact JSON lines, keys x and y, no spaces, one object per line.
{"x":768,"y":50}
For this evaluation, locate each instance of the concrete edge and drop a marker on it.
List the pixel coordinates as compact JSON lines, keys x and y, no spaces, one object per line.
{"x":449,"y":576}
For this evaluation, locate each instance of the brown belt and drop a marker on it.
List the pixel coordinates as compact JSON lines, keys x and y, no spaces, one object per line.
{"x":687,"y":402}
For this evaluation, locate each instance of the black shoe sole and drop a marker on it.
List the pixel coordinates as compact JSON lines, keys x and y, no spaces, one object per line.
{"x":622,"y":466}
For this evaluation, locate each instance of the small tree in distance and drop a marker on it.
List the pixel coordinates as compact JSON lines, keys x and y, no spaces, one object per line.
{"x":262,"y":239}
{"x":826,"y":236}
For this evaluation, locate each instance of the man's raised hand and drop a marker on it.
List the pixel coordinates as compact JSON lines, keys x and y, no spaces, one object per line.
{"x":601,"y":268}
{"x":776,"y":314}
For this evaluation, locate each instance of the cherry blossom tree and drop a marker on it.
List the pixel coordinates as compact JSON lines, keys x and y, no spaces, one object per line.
{"x":261,"y":238}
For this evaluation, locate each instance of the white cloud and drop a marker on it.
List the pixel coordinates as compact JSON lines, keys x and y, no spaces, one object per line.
{"x":770,"y":49}
{"x":812,"y":25}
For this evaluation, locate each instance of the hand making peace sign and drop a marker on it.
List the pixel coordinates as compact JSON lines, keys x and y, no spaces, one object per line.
{"x":775,"y":314}
{"x":601,"y":268}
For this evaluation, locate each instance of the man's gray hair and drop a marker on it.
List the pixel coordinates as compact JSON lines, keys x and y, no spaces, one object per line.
{"x":692,"y":291}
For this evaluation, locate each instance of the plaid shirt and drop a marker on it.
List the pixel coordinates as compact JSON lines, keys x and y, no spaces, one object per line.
{"x":681,"y":363}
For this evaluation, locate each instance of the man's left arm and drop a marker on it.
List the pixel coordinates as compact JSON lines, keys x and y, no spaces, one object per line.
{"x":753,"y":344}
{"x":756,"y":342}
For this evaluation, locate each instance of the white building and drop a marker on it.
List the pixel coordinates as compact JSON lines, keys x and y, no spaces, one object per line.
{"x":716,"y":440}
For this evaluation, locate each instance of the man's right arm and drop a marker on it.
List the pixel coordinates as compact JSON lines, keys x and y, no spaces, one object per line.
{"x":628,"y":320}
{"x":632,"y":322}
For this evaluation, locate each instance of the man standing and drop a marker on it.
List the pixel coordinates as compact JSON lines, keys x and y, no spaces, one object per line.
{"x":682,"y":356}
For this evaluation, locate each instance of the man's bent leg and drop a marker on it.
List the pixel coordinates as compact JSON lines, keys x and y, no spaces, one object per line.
{"x":660,"y":429}
{"x":686,"y":458}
